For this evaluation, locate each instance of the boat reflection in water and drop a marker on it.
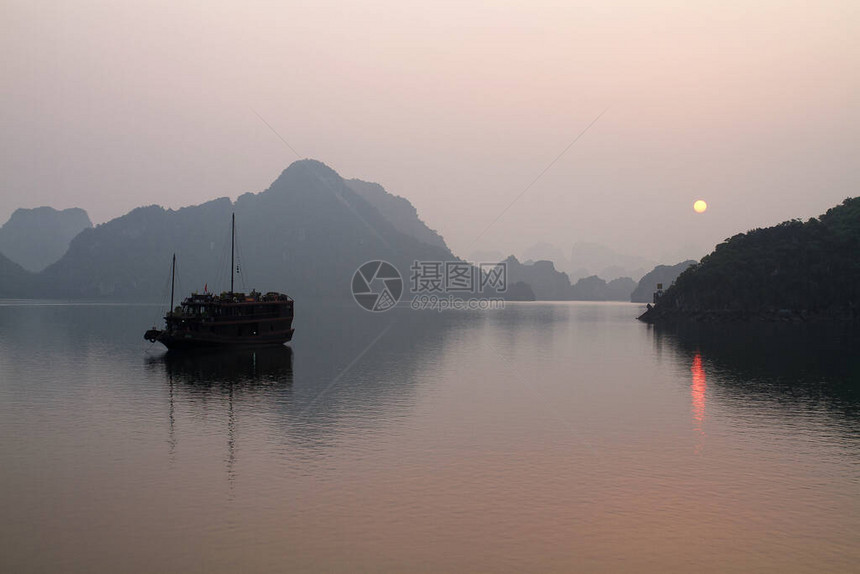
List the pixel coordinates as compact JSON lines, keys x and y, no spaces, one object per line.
{"x":209,"y":368}
{"x":235,"y":378}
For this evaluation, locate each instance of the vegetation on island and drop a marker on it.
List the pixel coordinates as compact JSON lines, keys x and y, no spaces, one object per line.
{"x":661,"y":275}
{"x":794,"y":271}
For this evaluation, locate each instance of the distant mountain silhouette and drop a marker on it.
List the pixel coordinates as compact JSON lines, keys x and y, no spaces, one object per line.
{"x":592,"y":258}
{"x":398,"y":210}
{"x":486,"y":256}
{"x":591,"y":288}
{"x":587,"y":259}
{"x":619,"y":289}
{"x":519,"y":291}
{"x":791,"y":271}
{"x":544,"y":251}
{"x":305,"y":235}
{"x":15,"y":281}
{"x":594,"y":288}
{"x":663,"y":274}
{"x":548,"y":284}
{"x":35,"y":238}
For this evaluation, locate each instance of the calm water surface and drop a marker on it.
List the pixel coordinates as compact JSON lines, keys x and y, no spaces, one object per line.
{"x":540,"y":438}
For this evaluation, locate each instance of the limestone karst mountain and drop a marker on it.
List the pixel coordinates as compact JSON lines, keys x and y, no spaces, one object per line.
{"x":35,"y":238}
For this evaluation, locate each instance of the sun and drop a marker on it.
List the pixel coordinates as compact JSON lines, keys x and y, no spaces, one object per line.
{"x":700,"y":206}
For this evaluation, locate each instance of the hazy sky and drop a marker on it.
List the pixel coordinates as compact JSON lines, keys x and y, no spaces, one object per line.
{"x":753,"y":106}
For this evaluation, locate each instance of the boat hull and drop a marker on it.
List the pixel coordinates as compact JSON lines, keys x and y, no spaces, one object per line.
{"x":187,"y":341}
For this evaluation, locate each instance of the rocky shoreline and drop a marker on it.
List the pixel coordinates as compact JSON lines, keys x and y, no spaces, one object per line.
{"x":658,"y":314}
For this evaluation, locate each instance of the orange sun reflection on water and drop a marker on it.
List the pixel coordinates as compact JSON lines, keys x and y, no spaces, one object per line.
{"x":697,"y":390}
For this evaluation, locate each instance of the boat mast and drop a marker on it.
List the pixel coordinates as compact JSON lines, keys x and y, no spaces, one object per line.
{"x":232,"y":249}
{"x":172,"y":282}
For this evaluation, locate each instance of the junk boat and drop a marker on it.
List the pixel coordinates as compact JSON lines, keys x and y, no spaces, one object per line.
{"x":227,"y":320}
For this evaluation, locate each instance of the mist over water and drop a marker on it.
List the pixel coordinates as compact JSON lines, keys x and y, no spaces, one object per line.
{"x":541,"y":437}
